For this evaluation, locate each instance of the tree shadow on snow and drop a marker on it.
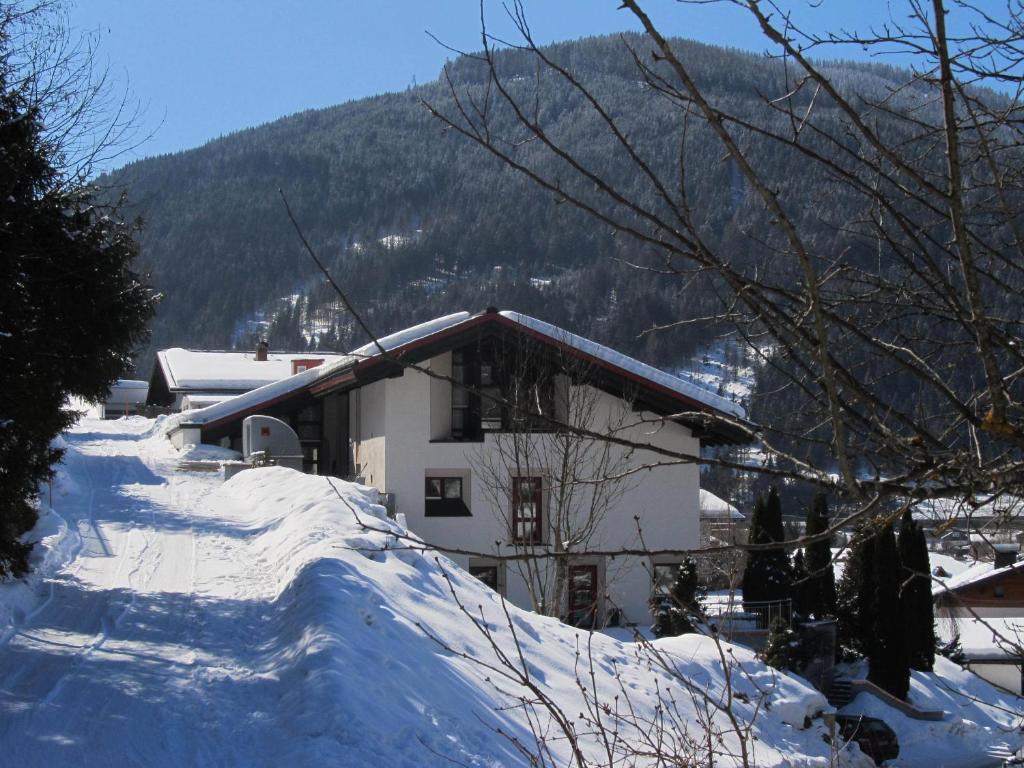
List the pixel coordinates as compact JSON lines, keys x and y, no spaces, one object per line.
{"x":326,"y":673}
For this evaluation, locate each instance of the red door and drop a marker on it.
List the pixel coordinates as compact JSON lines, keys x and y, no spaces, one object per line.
{"x":583,"y":595}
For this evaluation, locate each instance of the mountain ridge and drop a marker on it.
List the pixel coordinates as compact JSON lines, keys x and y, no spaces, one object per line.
{"x":470,"y":231}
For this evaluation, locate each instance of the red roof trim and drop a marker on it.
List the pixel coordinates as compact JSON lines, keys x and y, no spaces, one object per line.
{"x":630,"y":375}
{"x":256,"y":408}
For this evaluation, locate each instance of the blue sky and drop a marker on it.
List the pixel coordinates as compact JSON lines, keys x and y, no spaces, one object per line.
{"x":204,"y":68}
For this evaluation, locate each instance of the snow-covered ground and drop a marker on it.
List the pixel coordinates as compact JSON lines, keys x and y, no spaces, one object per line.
{"x":273,"y":620}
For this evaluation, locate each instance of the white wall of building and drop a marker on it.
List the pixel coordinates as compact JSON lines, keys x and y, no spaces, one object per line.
{"x":414,"y":409}
{"x":1007,"y":676}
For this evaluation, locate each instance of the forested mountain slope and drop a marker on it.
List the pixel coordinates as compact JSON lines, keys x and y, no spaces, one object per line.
{"x":416,"y":222}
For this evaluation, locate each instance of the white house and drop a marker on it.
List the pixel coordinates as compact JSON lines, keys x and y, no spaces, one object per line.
{"x":454,"y":423}
{"x":184,"y":379}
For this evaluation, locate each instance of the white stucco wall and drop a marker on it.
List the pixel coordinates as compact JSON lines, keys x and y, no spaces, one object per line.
{"x":368,"y":414}
{"x":1006,"y":676}
{"x":414,"y":408}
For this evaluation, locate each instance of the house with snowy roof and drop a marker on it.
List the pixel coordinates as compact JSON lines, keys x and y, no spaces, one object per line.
{"x":983,"y":608}
{"x":184,"y":379}
{"x":449,"y":419}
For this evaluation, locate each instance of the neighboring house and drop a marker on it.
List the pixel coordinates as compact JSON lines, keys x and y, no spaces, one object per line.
{"x":984,"y":608}
{"x":125,"y":398}
{"x":186,"y":379}
{"x":721,"y":525}
{"x":432,"y":439}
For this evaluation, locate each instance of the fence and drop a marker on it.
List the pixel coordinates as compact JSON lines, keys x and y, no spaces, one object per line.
{"x":749,"y":623}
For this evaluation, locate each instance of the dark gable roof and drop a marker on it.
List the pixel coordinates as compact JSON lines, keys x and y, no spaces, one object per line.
{"x":714,"y":420}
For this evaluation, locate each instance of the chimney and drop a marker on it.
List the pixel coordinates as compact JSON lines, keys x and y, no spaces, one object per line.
{"x":1005,"y":555}
{"x":261,"y":351}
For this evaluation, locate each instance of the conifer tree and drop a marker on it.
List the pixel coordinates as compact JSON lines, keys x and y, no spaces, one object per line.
{"x":71,"y":308}
{"x":888,"y":665}
{"x":855,"y":597}
{"x":768,"y":573}
{"x":821,"y":583}
{"x":916,"y":595}
{"x":785,"y":648}
{"x":800,"y":591}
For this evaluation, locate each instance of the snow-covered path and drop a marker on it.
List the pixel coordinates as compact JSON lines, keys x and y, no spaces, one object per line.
{"x":132,"y":623}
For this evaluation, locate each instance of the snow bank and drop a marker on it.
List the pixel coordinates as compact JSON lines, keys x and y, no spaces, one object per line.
{"x":979,"y":717}
{"x":373,"y":655}
{"x":54,"y":544}
{"x":205,"y":452}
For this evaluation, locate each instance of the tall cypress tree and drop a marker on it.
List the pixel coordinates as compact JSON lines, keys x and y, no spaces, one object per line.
{"x":888,"y":665}
{"x":768,"y":574}
{"x":802,"y":586}
{"x":855,"y":598}
{"x":821,"y":581}
{"x":916,"y":595}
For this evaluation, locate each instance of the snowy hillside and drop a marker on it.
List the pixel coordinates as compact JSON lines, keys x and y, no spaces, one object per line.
{"x":273,"y":620}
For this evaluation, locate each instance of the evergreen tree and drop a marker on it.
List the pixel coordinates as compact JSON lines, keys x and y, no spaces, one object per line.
{"x":855,"y":598}
{"x":785,"y":648}
{"x":801,"y":587}
{"x":768,"y":573}
{"x":71,"y":308}
{"x":888,"y":665}
{"x":821,"y":582}
{"x":916,"y":595}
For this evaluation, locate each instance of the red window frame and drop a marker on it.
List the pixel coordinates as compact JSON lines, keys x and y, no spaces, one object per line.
{"x":535,"y":500}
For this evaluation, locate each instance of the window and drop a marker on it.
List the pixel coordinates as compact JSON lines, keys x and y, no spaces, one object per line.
{"x":527,"y":517}
{"x":583,"y":596}
{"x":490,"y":572}
{"x":462,"y":426}
{"x":443,"y":498}
{"x":490,"y":398}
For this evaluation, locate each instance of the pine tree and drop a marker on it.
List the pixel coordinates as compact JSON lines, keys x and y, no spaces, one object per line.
{"x":916,"y":595}
{"x":768,"y":573}
{"x":888,"y":665}
{"x":71,"y":308}
{"x":855,"y":597}
{"x":801,"y":587}
{"x":821,"y":583}
{"x":785,"y":648}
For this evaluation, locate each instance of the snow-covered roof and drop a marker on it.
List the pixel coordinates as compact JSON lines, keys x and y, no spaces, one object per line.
{"x":278,"y":390}
{"x":714,"y":508}
{"x":979,"y":507}
{"x":127,"y":391}
{"x":285,"y":387}
{"x":629,"y":364}
{"x":202,"y":400}
{"x":190,"y":369}
{"x":980,"y":571}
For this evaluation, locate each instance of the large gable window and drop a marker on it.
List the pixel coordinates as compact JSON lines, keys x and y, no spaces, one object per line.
{"x":499,"y":387}
{"x":527,"y":510}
